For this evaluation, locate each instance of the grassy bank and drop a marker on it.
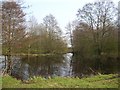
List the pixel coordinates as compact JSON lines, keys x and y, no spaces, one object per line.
{"x":99,"y":81}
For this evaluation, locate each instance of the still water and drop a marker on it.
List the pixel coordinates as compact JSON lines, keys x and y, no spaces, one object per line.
{"x":55,"y":65}
{"x":65,"y":65}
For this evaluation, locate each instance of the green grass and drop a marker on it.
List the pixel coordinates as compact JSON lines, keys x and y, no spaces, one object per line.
{"x":0,"y":82}
{"x":99,"y":81}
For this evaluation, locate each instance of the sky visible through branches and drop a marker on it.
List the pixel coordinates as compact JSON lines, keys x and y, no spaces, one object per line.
{"x":63,"y":10}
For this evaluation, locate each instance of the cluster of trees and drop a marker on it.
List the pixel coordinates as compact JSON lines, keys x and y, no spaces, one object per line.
{"x":94,"y":38}
{"x":19,"y":37}
{"x":45,"y":37}
{"x":13,"y":26}
{"x":96,"y":32}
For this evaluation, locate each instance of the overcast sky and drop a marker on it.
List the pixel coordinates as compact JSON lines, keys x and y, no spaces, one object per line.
{"x":64,"y":10}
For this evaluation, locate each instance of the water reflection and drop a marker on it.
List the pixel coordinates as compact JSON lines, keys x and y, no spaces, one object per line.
{"x":55,"y":65}
{"x":2,"y":63}
{"x":90,"y":66}
{"x":62,"y":65}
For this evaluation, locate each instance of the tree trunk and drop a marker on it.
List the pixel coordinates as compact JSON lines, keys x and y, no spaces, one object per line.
{"x":9,"y":63}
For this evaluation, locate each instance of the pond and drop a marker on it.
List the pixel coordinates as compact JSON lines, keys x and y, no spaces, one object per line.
{"x":65,"y":65}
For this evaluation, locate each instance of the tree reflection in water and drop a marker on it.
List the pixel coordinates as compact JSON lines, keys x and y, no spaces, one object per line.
{"x":62,"y":65}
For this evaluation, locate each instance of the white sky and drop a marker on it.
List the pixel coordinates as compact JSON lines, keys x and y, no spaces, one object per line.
{"x":64,"y":10}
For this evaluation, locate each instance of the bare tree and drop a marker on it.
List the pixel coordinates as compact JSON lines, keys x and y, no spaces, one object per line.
{"x":51,"y":24}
